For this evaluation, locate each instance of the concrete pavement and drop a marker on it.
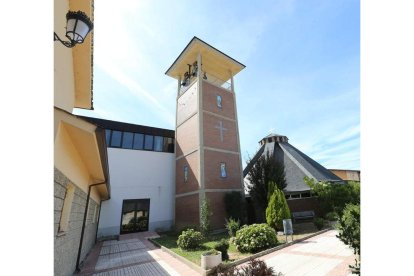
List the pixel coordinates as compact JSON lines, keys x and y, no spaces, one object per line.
{"x":134,"y":255}
{"x":324,"y":254}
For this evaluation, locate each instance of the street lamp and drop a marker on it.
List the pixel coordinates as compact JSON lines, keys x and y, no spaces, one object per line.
{"x":78,"y":26}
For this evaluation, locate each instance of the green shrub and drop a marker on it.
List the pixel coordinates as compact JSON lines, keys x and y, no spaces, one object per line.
{"x":319,"y":223}
{"x":205,"y":218}
{"x":350,"y":232}
{"x":235,"y":205}
{"x":255,"y":237}
{"x":232,"y":226}
{"x":189,"y":239}
{"x":223,"y":246}
{"x":277,"y":210}
{"x":331,"y":216}
{"x":333,"y":197}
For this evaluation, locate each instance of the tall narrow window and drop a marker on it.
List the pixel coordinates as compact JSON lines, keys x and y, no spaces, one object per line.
{"x":218,"y":99}
{"x":138,"y":141}
{"x":108,"y":136}
{"x":127,"y":140}
{"x":223,"y":172}
{"x":158,"y":143}
{"x":116,"y":139}
{"x":149,"y":142}
{"x":185,"y":173}
{"x":67,"y":206}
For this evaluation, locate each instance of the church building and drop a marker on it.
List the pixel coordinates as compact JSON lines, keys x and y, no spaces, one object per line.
{"x":297,"y":165}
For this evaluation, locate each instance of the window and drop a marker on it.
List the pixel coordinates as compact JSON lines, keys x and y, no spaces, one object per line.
{"x":108,"y":136}
{"x":149,"y":141}
{"x":287,"y":196}
{"x":185,"y":173}
{"x":223,"y":172}
{"x":218,"y":99}
{"x":116,"y":138}
{"x":158,"y":141}
{"x":67,"y":206}
{"x":170,"y":144}
{"x":127,"y":140}
{"x":138,"y":141}
{"x":295,"y":196}
{"x":305,"y":195}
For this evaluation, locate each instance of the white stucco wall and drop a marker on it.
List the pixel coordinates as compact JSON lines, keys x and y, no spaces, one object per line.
{"x":138,"y":174}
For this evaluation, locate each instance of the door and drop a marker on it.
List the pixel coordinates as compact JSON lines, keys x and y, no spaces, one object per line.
{"x":135,"y":215}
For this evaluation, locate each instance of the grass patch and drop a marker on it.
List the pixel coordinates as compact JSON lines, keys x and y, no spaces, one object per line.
{"x":169,"y":240}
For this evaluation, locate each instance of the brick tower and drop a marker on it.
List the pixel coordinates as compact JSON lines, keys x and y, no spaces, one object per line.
{"x":208,"y":159}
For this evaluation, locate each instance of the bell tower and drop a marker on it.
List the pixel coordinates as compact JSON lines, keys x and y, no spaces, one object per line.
{"x":208,"y":159}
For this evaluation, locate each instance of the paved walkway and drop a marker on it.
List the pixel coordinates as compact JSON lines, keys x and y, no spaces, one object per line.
{"x":133,"y":254}
{"x":324,"y":254}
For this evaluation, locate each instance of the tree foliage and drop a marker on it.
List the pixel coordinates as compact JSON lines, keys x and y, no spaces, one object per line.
{"x":350,"y":232}
{"x":205,"y":218}
{"x":235,"y":206}
{"x":277,"y":210}
{"x":264,"y":171}
{"x":333,"y":197}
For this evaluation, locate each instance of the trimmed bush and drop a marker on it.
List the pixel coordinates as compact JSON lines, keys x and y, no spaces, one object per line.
{"x":223,"y":246}
{"x":254,"y":238}
{"x":232,"y":226}
{"x":189,"y":239}
{"x":319,"y":223}
{"x":277,"y":210}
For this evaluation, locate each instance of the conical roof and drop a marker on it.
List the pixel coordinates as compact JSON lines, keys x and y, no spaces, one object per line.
{"x":297,"y":164}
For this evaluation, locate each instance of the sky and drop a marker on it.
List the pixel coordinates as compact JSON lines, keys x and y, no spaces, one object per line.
{"x":302,"y":75}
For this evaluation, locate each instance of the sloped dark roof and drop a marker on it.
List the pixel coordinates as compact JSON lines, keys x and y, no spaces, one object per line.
{"x":297,"y":165}
{"x":121,"y":126}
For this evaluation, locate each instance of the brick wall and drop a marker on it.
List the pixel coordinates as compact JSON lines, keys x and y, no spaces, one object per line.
{"x":210,"y":92}
{"x":193,"y":181}
{"x":66,"y":245}
{"x":212,"y":178}
{"x":303,"y":204}
{"x":218,"y":208}
{"x":187,"y":211}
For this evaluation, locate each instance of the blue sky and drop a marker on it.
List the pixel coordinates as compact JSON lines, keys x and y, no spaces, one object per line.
{"x":301,"y":79}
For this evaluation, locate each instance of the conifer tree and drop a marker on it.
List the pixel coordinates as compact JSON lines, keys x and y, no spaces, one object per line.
{"x":277,"y":210}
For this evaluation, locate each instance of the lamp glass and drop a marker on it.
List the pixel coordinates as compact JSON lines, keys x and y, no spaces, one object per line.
{"x":76,"y":30}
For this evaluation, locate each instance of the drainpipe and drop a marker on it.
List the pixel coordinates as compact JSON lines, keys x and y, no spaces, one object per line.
{"x":84,"y":223}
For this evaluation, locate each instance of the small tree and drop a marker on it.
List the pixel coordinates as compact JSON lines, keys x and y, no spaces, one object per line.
{"x":277,"y":210}
{"x":205,"y":218}
{"x":264,"y":171}
{"x":350,"y":232}
{"x":333,"y":197}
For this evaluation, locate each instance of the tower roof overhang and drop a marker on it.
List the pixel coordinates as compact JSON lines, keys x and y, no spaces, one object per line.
{"x":213,"y":61}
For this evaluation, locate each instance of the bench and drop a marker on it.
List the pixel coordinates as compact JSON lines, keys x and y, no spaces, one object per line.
{"x":303,"y":215}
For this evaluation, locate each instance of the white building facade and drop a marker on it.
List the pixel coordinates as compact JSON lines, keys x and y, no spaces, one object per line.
{"x":141,"y":164}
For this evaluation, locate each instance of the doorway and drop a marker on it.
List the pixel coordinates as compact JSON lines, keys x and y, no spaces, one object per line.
{"x":135,"y":215}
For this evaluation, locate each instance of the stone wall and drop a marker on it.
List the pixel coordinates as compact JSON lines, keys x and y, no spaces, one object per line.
{"x":66,"y":244}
